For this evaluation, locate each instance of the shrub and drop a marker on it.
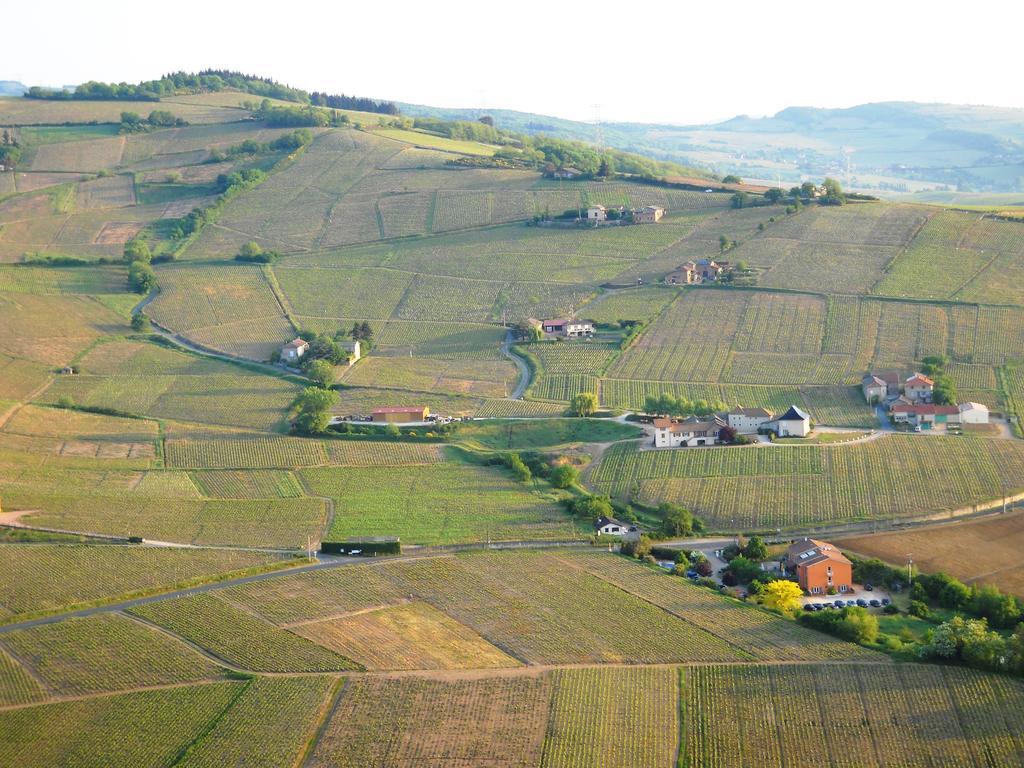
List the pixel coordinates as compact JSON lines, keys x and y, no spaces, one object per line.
{"x":564,"y":476}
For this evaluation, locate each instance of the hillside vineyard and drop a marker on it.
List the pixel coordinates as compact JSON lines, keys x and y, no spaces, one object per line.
{"x":333,"y":437}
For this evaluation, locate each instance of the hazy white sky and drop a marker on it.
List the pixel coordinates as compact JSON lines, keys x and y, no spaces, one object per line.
{"x":647,"y":61}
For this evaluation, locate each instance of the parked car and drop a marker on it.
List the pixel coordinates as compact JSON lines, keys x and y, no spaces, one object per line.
{"x":690,"y":574}
{"x":810,"y":607}
{"x":886,"y":601}
{"x":839,"y":604}
{"x":862,"y":602}
{"x":874,"y":603}
{"x":869,"y":588}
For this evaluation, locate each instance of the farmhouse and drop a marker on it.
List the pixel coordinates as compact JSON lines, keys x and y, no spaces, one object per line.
{"x":352,"y":347}
{"x":973,"y":413}
{"x":294,"y":350}
{"x":793,"y":423}
{"x":567,"y":327}
{"x":700,"y":271}
{"x":925,"y":415}
{"x":689,"y":432}
{"x":746,"y":421}
{"x":568,"y":172}
{"x":649,"y":214}
{"x":401,"y":414}
{"x":819,"y":567}
{"x":597,"y":213}
{"x":874,"y":388}
{"x":918,"y":388}
{"x":609,"y":526}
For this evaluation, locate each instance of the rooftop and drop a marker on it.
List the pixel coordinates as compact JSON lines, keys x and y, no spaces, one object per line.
{"x":919,"y":379}
{"x":926,"y":409}
{"x":296,"y":344}
{"x":753,"y":412}
{"x":794,"y":414}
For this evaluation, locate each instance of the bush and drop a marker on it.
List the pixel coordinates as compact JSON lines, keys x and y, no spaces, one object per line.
{"x":638,"y":548}
{"x":919,"y":609}
{"x":141,"y":277}
{"x":564,"y":476}
{"x":891,"y":610}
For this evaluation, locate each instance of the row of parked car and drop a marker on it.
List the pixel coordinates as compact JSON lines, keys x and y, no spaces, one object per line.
{"x":861,"y":602}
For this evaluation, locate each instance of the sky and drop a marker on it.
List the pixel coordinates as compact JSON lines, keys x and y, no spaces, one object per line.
{"x":671,"y":62}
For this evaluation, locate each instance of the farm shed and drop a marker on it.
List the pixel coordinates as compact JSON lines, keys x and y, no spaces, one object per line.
{"x":401,"y":414}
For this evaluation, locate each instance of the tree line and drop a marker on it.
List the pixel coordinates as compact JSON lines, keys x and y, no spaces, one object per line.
{"x":208,"y":80}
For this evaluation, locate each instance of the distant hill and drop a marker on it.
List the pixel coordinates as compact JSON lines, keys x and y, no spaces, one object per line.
{"x":888,"y":146}
{"x":12,"y":88}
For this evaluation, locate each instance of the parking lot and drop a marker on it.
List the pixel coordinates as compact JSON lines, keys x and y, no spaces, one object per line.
{"x":865,"y":596}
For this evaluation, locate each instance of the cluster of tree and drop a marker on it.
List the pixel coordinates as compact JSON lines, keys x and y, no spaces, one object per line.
{"x":970,"y":642}
{"x":324,"y":347}
{"x":851,"y":623}
{"x":462,"y":129}
{"x":526,"y":465}
{"x":590,"y":508}
{"x":944,"y":392}
{"x":141,"y":277}
{"x":133,"y":122}
{"x":1000,"y":610}
{"x":313,"y":410}
{"x":677,"y":520}
{"x":10,"y":150}
{"x":584,"y":404}
{"x":667,"y":404}
{"x":363,"y":333}
{"x":228,"y":185}
{"x":176,"y":82}
{"x":137,"y":255}
{"x":289,"y":142}
{"x":291,"y":117}
{"x":253,"y":252}
{"x":355,"y":103}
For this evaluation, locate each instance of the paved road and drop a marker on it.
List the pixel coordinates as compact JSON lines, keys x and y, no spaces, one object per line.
{"x":524,"y":369}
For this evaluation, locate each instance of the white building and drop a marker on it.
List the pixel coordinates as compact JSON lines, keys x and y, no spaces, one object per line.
{"x":352,"y":347}
{"x":918,"y":388}
{"x":793,"y":423}
{"x":688,"y":433}
{"x":746,"y":421}
{"x":293,"y":351}
{"x":973,"y":413}
{"x":568,"y":327}
{"x":597,"y":213}
{"x":609,"y":526}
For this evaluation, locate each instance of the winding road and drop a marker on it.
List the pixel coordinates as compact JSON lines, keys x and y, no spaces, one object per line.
{"x":524,"y":369}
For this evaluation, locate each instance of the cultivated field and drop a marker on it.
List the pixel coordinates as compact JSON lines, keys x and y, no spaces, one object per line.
{"x":755,"y":488}
{"x":985,"y":551}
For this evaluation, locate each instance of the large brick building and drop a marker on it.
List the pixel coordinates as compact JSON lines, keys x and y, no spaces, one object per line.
{"x":819,"y":567}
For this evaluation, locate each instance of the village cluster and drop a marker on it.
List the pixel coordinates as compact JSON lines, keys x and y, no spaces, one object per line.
{"x":717,"y":429}
{"x":910,"y":402}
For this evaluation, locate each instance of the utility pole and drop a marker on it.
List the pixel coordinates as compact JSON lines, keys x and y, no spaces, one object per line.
{"x":910,"y":569}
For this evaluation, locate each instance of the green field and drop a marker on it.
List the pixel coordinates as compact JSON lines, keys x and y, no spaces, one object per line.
{"x":437,"y":504}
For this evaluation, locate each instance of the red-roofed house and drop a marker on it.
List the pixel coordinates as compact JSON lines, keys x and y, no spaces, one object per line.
{"x":924,"y":415}
{"x":819,"y":567}
{"x":294,"y":350}
{"x":918,"y":388}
